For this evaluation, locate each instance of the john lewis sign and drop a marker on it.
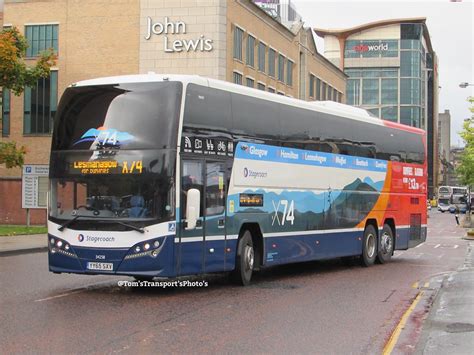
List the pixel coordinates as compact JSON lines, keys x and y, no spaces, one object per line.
{"x":201,"y":44}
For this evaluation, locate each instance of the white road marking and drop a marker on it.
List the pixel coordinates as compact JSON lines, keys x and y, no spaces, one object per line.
{"x":437,"y":246}
{"x":419,"y":245}
{"x":72,"y":292}
{"x":455,"y":246}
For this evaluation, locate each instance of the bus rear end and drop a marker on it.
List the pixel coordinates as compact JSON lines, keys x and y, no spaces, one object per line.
{"x":112,"y":179}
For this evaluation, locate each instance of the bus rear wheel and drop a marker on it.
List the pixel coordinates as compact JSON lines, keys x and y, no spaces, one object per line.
{"x":385,"y":250}
{"x":369,"y":246}
{"x":245,"y":260}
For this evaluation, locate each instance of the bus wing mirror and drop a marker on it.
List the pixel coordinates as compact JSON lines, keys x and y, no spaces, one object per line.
{"x":193,"y":204}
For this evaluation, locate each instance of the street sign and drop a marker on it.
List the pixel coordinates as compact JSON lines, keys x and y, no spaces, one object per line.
{"x":34,"y":186}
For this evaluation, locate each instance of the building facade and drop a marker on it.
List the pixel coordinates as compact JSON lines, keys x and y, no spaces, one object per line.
{"x":444,"y":144}
{"x":241,"y":41}
{"x":393,"y":73}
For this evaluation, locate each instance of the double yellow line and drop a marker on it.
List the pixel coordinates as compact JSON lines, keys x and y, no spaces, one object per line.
{"x":387,"y":350}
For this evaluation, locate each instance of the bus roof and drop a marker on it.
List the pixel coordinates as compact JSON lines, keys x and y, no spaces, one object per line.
{"x":329,"y":107}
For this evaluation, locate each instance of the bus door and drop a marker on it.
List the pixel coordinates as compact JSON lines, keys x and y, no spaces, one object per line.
{"x":202,"y":249}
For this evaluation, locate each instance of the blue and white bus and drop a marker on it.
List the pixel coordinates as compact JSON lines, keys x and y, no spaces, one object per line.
{"x":162,"y":176}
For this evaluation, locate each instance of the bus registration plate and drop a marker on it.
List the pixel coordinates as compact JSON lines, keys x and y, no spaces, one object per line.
{"x":100,"y":266}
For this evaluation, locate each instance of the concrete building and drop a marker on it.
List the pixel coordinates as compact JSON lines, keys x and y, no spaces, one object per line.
{"x":393,"y":73}
{"x":247,"y":42}
{"x":444,"y":144}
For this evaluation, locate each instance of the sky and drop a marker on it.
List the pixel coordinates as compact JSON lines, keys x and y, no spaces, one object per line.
{"x":451,"y":29}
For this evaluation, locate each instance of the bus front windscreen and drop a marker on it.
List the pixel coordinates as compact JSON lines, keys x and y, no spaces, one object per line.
{"x":139,"y":199}
{"x":113,"y":153}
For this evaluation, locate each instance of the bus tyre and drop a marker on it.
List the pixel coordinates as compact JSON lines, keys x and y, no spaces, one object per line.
{"x":245,"y":260}
{"x":386,"y":243}
{"x":369,"y":246}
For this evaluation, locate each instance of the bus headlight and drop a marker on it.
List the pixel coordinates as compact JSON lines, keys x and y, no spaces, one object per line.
{"x":59,"y":246}
{"x":147,"y":248}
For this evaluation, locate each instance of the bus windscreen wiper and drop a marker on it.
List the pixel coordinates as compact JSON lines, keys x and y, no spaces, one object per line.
{"x":67,"y":223}
{"x":138,"y":229}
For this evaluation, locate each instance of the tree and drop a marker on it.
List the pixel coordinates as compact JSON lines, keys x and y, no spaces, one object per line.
{"x":15,"y":75}
{"x":465,"y":169}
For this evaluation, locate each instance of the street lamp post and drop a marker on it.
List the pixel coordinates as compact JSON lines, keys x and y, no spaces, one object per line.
{"x":465,"y":85}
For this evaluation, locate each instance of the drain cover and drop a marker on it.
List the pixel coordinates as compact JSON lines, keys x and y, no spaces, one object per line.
{"x":460,"y":328}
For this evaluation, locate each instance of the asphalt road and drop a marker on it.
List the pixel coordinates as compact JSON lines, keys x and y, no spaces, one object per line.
{"x":318,"y":307}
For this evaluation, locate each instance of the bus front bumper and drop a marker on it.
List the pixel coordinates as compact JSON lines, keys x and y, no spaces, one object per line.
{"x":152,"y":257}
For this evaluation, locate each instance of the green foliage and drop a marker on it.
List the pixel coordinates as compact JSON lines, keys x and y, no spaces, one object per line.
{"x":466,"y":168}
{"x":14,"y":73}
{"x":12,"y":156}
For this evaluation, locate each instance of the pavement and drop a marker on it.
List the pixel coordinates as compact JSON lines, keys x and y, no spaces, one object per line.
{"x":445,"y":313}
{"x":449,"y":327}
{"x":23,"y":244}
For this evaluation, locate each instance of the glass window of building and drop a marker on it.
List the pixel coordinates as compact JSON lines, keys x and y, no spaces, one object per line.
{"x":281,"y":93}
{"x":5,"y":113}
{"x":250,"y":82}
{"x":289,"y":73}
{"x":318,"y":89}
{"x":410,"y":116}
{"x":250,"y":51}
{"x":271,"y":62}
{"x":281,"y":68}
{"x":261,"y":56}
{"x":329,"y":95}
{"x":353,"y":92}
{"x":410,"y":91}
{"x":272,"y":90}
{"x":40,"y":104}
{"x":237,"y":78}
{"x":389,"y":91}
{"x":374,"y":111}
{"x":311,"y":85}
{"x":410,"y":64}
{"x":390,"y":113}
{"x":350,"y":49}
{"x":323,"y":91}
{"x":370,"y":91}
{"x":40,"y":38}
{"x":370,"y":49}
{"x":391,"y":49}
{"x":238,"y":37}
{"x":261,"y":86}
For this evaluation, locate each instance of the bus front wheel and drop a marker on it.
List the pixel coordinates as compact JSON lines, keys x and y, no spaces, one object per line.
{"x":245,"y":260}
{"x":369,"y":246}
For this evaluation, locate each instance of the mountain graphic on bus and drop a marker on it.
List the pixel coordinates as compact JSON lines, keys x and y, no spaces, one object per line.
{"x":331,"y":209}
{"x":106,"y":137}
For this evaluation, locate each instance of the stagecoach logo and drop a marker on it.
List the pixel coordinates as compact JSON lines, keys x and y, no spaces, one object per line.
{"x":92,"y":239}
{"x":254,"y":174}
{"x":244,"y":147}
{"x":105,"y":137}
{"x":201,"y":44}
